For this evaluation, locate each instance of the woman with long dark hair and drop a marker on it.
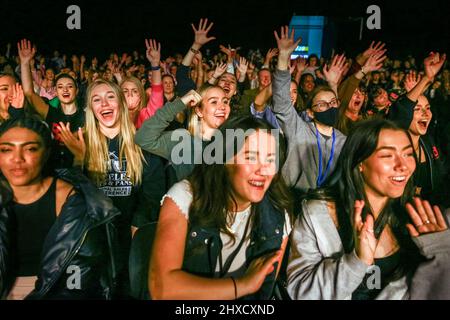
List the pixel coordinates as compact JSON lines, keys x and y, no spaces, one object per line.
{"x":52,"y":227}
{"x":213,"y":244}
{"x":351,"y":240}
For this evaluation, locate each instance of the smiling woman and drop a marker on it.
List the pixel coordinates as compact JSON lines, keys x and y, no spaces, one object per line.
{"x":132,"y":178}
{"x":223,"y":245}
{"x":209,"y":109}
{"x":67,"y":112}
{"x":358,"y":223}
{"x":42,"y":216}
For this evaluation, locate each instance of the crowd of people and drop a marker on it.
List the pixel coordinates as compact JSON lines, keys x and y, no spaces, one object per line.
{"x":120,"y":180}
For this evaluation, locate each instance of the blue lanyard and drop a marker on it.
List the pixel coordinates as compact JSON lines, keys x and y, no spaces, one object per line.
{"x":322,"y":175}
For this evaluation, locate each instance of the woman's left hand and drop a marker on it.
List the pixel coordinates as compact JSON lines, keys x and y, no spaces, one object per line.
{"x":425,"y":218}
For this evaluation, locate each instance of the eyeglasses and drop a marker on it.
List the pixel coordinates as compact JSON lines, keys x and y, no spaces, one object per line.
{"x":324,"y":106}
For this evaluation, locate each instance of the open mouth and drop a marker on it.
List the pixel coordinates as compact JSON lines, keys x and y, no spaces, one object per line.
{"x":357,"y":103}
{"x":107,"y":114}
{"x":258,"y":184}
{"x":220,"y":116}
{"x":66,"y":95}
{"x":423,"y":124}
{"x":399,"y":180}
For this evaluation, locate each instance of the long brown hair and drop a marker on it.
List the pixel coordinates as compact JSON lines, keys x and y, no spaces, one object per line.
{"x":211,"y":207}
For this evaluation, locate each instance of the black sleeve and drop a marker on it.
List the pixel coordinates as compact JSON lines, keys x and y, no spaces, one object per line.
{"x":184,"y":83}
{"x":16,"y":113}
{"x":402,"y":111}
{"x":151,"y":191}
{"x":241,"y":86}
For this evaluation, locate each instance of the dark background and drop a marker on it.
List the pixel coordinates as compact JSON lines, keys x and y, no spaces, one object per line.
{"x":407,"y":27}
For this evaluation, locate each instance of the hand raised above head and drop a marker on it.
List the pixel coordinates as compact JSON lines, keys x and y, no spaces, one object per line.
{"x":201,"y":33}
{"x":26,"y":50}
{"x":285,"y":42}
{"x":153,"y":52}
{"x":433,"y":64}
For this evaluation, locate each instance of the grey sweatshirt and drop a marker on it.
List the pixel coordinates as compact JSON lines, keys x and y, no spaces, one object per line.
{"x":179,"y":147}
{"x":302,"y":164}
{"x":319,"y":268}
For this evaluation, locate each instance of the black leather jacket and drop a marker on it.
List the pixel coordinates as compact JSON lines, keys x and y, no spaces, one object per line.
{"x":78,"y":258}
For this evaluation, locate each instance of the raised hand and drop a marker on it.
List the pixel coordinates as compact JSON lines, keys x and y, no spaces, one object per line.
{"x":271,"y":53}
{"x":220,"y":70}
{"x":242,"y":66}
{"x":201,"y":33}
{"x":110,"y":64}
{"x":425,"y":218}
{"x":286,"y":44}
{"x":433,"y":63}
{"x":124,"y":58}
{"x":411,"y":79}
{"x":26,"y":51}
{"x":17,"y":96}
{"x":82,"y":59}
{"x":374,"y":61}
{"x":153,"y":52}
{"x":333,"y":73}
{"x":225,"y":50}
{"x":365,"y":241}
{"x":191,"y":99}
{"x":73,"y":141}
{"x":301,"y":65}
{"x":374,"y":49}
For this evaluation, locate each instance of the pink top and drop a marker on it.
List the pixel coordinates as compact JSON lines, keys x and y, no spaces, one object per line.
{"x":49,"y":93}
{"x":155,"y":102}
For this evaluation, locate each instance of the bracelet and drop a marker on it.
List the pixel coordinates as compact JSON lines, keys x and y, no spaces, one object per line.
{"x":155,"y":68}
{"x":235,"y":288}
{"x":362,"y":70}
{"x":195,"y":51}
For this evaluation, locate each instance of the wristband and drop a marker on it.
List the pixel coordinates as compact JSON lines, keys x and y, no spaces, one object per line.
{"x":362,"y":70}
{"x":195,"y":51}
{"x":235,"y":288}
{"x":155,"y":68}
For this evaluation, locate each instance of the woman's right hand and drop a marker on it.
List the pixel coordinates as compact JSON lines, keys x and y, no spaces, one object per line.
{"x":191,"y":98}
{"x":253,"y":279}
{"x":26,"y":51}
{"x":365,"y":241}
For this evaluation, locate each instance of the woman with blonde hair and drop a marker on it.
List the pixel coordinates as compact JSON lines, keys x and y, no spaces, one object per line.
{"x":133,"y":179}
{"x":210,"y":108}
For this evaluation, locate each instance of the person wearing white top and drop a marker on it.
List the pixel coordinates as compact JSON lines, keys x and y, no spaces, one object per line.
{"x":223,"y":244}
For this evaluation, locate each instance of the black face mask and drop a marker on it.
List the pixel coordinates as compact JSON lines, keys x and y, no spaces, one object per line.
{"x":328,"y":117}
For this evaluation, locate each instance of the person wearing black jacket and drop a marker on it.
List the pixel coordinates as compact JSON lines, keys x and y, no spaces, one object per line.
{"x":413,"y":112}
{"x":56,"y":236}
